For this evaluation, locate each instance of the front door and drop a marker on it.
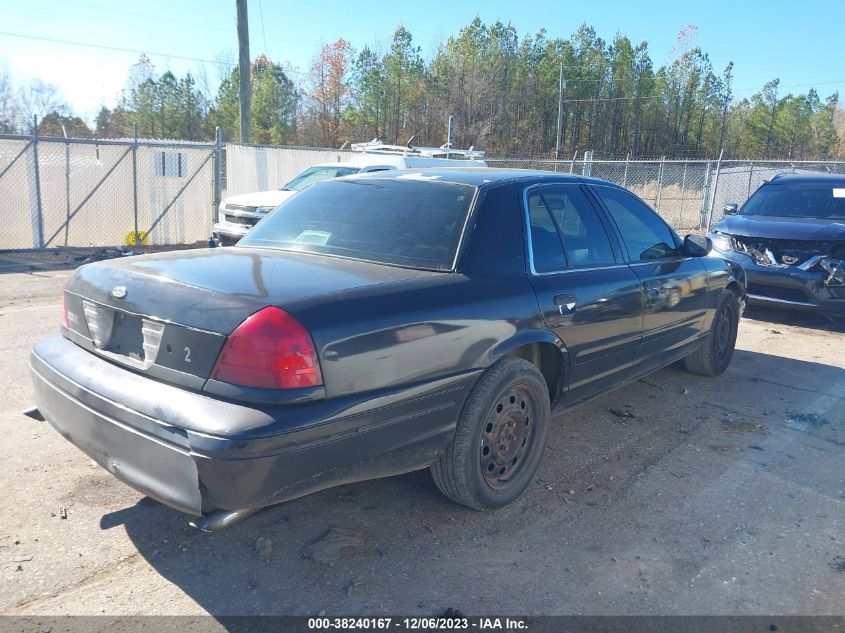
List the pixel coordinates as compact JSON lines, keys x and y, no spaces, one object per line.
{"x":674,"y":286}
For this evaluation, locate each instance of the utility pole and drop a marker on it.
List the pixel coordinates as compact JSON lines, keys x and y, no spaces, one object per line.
{"x":560,"y":112}
{"x":244,"y":88}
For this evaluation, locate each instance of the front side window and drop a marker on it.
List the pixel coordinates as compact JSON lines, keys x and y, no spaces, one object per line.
{"x":565,"y":229}
{"x":317,"y":174}
{"x":646,"y":236}
{"x":797,"y":201}
{"x":401,"y":221}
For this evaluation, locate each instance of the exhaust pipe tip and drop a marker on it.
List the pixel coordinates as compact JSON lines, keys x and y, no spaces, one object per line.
{"x":221,"y":519}
{"x":34,"y":413}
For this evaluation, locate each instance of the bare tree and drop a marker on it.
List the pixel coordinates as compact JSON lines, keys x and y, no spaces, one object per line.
{"x":40,"y":99}
{"x":9,"y":108}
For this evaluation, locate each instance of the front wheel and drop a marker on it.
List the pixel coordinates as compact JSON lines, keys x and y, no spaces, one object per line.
{"x":499,"y":439}
{"x":716,"y":351}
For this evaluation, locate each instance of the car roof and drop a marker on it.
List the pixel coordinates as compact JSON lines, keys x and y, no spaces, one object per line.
{"x":481,"y":176}
{"x":808,"y":179}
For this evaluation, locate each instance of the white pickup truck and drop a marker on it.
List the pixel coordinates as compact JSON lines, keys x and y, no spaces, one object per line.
{"x":238,"y":214}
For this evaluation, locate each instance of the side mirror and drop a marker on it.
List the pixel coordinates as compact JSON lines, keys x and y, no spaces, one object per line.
{"x":697,"y":245}
{"x":732,"y":208}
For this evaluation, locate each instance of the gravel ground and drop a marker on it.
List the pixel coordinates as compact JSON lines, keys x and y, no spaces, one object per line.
{"x":674,"y":495}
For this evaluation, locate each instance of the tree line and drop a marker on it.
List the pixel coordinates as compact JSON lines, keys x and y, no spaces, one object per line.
{"x":502,"y":89}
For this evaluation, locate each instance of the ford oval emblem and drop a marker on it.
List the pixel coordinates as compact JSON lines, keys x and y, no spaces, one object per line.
{"x":118,"y":292}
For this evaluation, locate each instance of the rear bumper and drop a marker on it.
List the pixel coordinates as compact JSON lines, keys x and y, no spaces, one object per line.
{"x":151,"y":435}
{"x":789,"y":287}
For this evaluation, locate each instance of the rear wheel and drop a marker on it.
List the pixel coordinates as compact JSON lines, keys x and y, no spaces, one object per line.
{"x":499,"y":439}
{"x":716,"y":351}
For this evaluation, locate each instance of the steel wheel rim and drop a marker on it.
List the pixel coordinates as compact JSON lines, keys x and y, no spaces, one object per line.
{"x":723,"y":332}
{"x":507,"y":436}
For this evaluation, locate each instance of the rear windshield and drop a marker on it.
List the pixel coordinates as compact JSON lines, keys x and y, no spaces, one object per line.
{"x":402,"y":221}
{"x":798,"y":201}
{"x":316,"y":174}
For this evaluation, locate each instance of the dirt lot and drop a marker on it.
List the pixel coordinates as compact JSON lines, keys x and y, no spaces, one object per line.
{"x":674,"y":495}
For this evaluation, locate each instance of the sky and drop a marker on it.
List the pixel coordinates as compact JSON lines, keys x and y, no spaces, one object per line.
{"x":798,"y":42}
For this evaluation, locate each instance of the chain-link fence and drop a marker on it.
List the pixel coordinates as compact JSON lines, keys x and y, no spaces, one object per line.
{"x":57,"y":193}
{"x":86,"y":193}
{"x":690,"y":195}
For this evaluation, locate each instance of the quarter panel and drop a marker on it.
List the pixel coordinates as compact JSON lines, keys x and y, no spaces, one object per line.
{"x":381,"y":337}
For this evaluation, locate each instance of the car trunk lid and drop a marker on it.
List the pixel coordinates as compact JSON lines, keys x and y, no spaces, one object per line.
{"x":168,"y":314}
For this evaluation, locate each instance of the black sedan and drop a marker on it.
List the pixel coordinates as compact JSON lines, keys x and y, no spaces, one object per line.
{"x":790,"y":239}
{"x":375,"y":325}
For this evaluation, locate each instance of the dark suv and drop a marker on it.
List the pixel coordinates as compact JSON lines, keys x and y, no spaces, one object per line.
{"x":790,"y":239}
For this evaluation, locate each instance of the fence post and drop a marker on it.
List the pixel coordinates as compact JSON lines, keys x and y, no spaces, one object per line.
{"x":705,"y":193}
{"x":39,"y":210}
{"x":625,"y":176}
{"x":659,"y":183}
{"x":683,"y":193}
{"x":715,"y":189}
{"x":588,"y":164}
{"x":750,"y":174}
{"x":67,"y":184}
{"x":218,"y":167}
{"x":135,"y":181}
{"x":572,"y":164}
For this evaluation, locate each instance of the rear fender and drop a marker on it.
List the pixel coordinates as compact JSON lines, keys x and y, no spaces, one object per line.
{"x":530,"y":337}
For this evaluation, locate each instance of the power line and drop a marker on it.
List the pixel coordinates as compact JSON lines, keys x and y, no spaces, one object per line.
{"x":136,"y":51}
{"x":812,"y":84}
{"x":110,"y":48}
{"x":159,"y":18}
{"x":661,"y":96}
{"x":592,"y":99}
{"x":263,"y":32}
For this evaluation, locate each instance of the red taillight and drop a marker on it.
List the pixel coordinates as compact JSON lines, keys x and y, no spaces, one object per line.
{"x":270,"y":350}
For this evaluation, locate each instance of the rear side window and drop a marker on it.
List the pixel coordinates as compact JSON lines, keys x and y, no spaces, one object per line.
{"x":546,"y":247}
{"x":565,"y":229}
{"x":646,"y":236}
{"x":403,"y":221}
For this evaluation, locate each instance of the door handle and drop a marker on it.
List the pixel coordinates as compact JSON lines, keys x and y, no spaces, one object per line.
{"x":566,"y":304}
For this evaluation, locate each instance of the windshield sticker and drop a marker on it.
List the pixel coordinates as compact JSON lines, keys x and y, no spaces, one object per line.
{"x":839,"y":193}
{"x":317,"y":238}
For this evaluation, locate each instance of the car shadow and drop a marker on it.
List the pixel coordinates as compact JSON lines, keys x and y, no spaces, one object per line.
{"x":373,"y":547}
{"x":300,"y":557}
{"x":795,"y":318}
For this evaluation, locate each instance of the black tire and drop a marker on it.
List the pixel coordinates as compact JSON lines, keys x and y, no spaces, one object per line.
{"x":499,"y":439}
{"x":717,"y":349}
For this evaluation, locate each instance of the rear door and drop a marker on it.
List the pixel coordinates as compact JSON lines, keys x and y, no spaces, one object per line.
{"x":674,"y":286}
{"x":587,"y":294}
